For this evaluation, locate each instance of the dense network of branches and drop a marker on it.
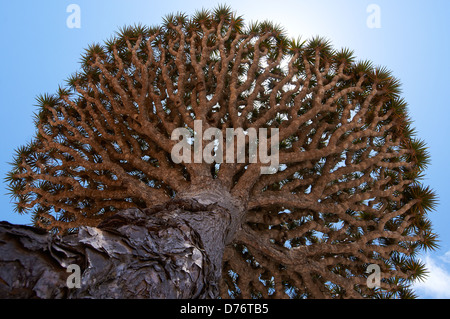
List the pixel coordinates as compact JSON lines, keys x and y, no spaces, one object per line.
{"x":347,"y":193}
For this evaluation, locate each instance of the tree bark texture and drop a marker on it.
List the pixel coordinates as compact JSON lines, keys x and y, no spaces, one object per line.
{"x":173,"y":250}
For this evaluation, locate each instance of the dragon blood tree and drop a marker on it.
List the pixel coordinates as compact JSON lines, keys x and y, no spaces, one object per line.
{"x":100,"y":177}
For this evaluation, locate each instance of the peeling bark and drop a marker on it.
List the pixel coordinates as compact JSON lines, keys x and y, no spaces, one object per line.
{"x":172,"y":250}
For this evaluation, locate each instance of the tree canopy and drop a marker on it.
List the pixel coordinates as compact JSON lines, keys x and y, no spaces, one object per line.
{"x":348,"y":191}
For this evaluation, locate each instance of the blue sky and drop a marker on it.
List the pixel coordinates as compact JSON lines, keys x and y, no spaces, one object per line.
{"x":39,"y":51}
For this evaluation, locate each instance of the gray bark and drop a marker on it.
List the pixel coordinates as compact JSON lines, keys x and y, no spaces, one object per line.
{"x":172,"y":250}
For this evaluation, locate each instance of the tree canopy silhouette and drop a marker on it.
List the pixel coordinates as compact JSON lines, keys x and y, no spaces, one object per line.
{"x":347,"y":192}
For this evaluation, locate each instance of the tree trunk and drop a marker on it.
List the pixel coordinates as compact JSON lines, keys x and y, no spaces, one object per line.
{"x":172,"y":250}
